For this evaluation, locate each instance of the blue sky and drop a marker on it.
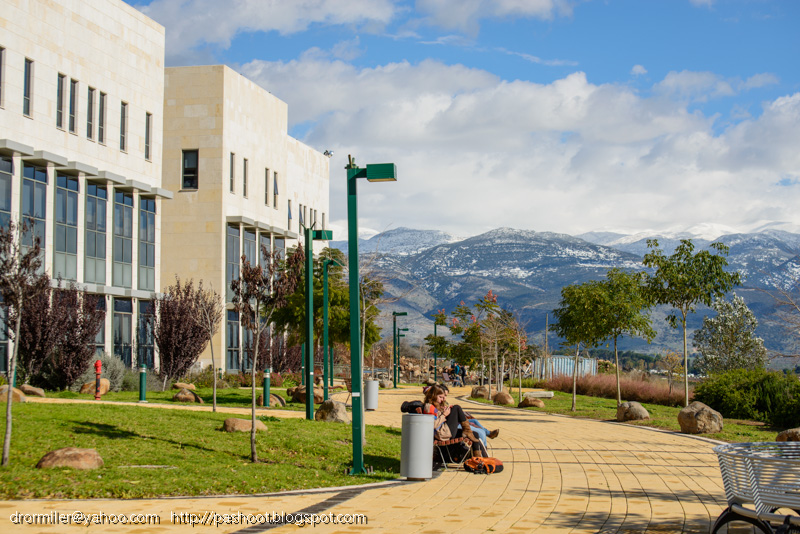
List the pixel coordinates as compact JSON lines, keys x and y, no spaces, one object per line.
{"x":549,"y":115}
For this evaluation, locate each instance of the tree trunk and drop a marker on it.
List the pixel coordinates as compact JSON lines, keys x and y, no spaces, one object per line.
{"x":214,"y":371}
{"x":254,"y":359}
{"x":13,"y":368}
{"x":575,"y":378}
{"x":616,"y":362}
{"x":685,"y":364}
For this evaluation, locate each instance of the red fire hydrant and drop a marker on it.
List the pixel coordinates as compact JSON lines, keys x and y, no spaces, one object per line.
{"x":98,"y":368}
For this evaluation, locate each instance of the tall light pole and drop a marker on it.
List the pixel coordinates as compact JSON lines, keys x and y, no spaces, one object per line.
{"x":311,"y":235}
{"x":327,"y":361}
{"x":395,"y":352}
{"x":435,"y":356}
{"x":397,"y":359}
{"x":380,"y":172}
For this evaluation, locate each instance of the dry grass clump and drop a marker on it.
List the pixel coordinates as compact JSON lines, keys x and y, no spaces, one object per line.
{"x":635,"y":386}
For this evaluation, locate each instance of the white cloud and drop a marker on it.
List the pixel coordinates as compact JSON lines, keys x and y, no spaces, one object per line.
{"x":476,"y":152}
{"x":702,"y":3}
{"x":702,"y":86}
{"x":638,"y":70}
{"x":465,"y":15}
{"x":193,"y":23}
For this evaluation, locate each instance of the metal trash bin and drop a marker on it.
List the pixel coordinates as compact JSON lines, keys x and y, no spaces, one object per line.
{"x":371,"y":388}
{"x":416,"y":446}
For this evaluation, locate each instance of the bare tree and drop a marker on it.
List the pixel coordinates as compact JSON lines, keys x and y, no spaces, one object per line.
{"x":209,"y":317}
{"x":176,"y":331}
{"x":20,"y":281}
{"x":257,"y":293}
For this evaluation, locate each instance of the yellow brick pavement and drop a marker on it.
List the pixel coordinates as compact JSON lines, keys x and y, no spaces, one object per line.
{"x":561,"y":475}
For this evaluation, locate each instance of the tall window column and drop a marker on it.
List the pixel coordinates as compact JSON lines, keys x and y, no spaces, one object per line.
{"x":123,"y":239}
{"x":145,"y":347}
{"x":34,"y":204}
{"x":65,"y":258}
{"x":147,"y":244}
{"x":123,"y":319}
{"x":95,"y":244}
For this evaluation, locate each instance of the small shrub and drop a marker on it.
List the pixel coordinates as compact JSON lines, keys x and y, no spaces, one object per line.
{"x":130,"y":380}
{"x":113,"y":369}
{"x":631,"y":388}
{"x":202,"y":379}
{"x":756,"y":394}
{"x":290,"y":380}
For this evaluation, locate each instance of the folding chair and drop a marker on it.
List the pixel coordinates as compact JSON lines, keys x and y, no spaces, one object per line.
{"x":443,"y":447}
{"x":349,"y":385}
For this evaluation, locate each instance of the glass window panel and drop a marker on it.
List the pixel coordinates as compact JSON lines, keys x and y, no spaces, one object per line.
{"x":59,"y":265}
{"x":91,"y":210}
{"x":40,"y":202}
{"x":91,"y":250}
{"x":61,"y":238}
{"x":72,"y":209}
{"x":72,"y":240}
{"x":128,"y":251}
{"x":72,"y":268}
{"x":101,"y":216}
{"x":61,"y":206}
{"x":100,"y":251}
{"x":27,"y":197}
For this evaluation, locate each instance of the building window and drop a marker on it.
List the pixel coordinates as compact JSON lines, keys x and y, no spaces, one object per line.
{"x":232,"y":337}
{"x":66,"y":251}
{"x":100,"y":338}
{"x":190,"y":165}
{"x":244,"y":178}
{"x":266,"y":187}
{"x":323,"y":221}
{"x":96,"y":207}
{"x":90,"y":114}
{"x":279,"y":247}
{"x":263,"y":245}
{"x":6,"y":176}
{"x":233,"y":257}
{"x":250,"y":247}
{"x":145,"y":349}
{"x":62,"y":80}
{"x":147,"y":244}
{"x":101,"y":119}
{"x":289,"y":219}
{"x":233,"y":172}
{"x":123,"y":126}
{"x":34,"y":204}
{"x":275,"y":191}
{"x":302,"y":219}
{"x":123,"y":319}
{"x":27,"y":89}
{"x":123,"y":239}
{"x":73,"y":106}
{"x":148,"y":128}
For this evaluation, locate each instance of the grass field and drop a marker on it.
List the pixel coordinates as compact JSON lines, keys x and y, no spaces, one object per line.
{"x":150,"y":452}
{"x":664,"y":417}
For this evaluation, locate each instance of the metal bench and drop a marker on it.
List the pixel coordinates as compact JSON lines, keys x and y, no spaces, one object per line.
{"x":762,"y":484}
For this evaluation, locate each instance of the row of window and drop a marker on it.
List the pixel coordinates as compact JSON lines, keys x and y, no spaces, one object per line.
{"x":67,"y":103}
{"x":244,"y":241}
{"x":65,"y":255}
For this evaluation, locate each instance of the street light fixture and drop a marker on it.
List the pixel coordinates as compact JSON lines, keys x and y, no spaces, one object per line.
{"x":327,"y":359}
{"x":311,"y":235}
{"x":381,"y":172}
{"x":395,"y":352}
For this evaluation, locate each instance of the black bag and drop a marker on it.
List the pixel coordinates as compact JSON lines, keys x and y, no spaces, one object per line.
{"x":411,"y":406}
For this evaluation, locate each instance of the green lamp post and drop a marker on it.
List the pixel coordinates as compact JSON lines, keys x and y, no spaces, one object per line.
{"x":395,"y":352}
{"x":397,"y":359}
{"x":435,"y":357}
{"x":380,"y":172}
{"x":311,"y":235}
{"x":327,"y":361}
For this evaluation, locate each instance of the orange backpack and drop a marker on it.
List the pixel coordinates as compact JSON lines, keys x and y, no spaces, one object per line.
{"x":484,"y":466}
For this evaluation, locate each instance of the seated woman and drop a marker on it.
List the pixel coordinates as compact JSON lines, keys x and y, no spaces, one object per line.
{"x":453,"y":417}
{"x":477,"y":428}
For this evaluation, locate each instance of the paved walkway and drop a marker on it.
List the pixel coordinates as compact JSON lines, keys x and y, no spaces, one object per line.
{"x":561,"y":475}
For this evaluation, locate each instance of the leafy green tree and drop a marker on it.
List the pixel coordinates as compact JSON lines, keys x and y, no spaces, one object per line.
{"x":579,"y":321}
{"x":625,"y":300}
{"x":728,"y":341}
{"x":686,"y":279}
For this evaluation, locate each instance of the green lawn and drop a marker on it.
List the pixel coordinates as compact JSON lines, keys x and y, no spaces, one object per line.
{"x":233,"y":397}
{"x":664,"y":417}
{"x":194,"y":457}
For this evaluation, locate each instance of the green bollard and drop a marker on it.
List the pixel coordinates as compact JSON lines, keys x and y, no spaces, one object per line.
{"x":143,"y":383}
{"x":267,"y":394}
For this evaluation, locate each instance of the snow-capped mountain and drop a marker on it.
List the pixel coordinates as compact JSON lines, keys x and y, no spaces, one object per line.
{"x":402,"y":241}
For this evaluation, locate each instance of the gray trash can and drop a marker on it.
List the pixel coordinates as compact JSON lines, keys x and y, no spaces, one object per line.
{"x":371,"y":388}
{"x":416,"y":446}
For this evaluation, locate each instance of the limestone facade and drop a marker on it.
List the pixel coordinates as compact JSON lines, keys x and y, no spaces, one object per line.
{"x":240,"y":182}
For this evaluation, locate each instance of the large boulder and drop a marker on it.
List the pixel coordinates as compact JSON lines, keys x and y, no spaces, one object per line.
{"x":539,"y":394}
{"x":183,"y":385}
{"x":185,"y":395}
{"x":530,"y":402}
{"x":697,"y":418}
{"x":481,"y":392}
{"x":27,"y":389}
{"x":16,"y":395}
{"x":332,"y":412}
{"x":631,"y":411}
{"x":384,"y":384}
{"x":298,"y":394}
{"x":503,"y":397}
{"x":71,"y":457}
{"x":89,"y":387}
{"x":233,"y":424}
{"x":793,"y":434}
{"x":275,"y":400}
